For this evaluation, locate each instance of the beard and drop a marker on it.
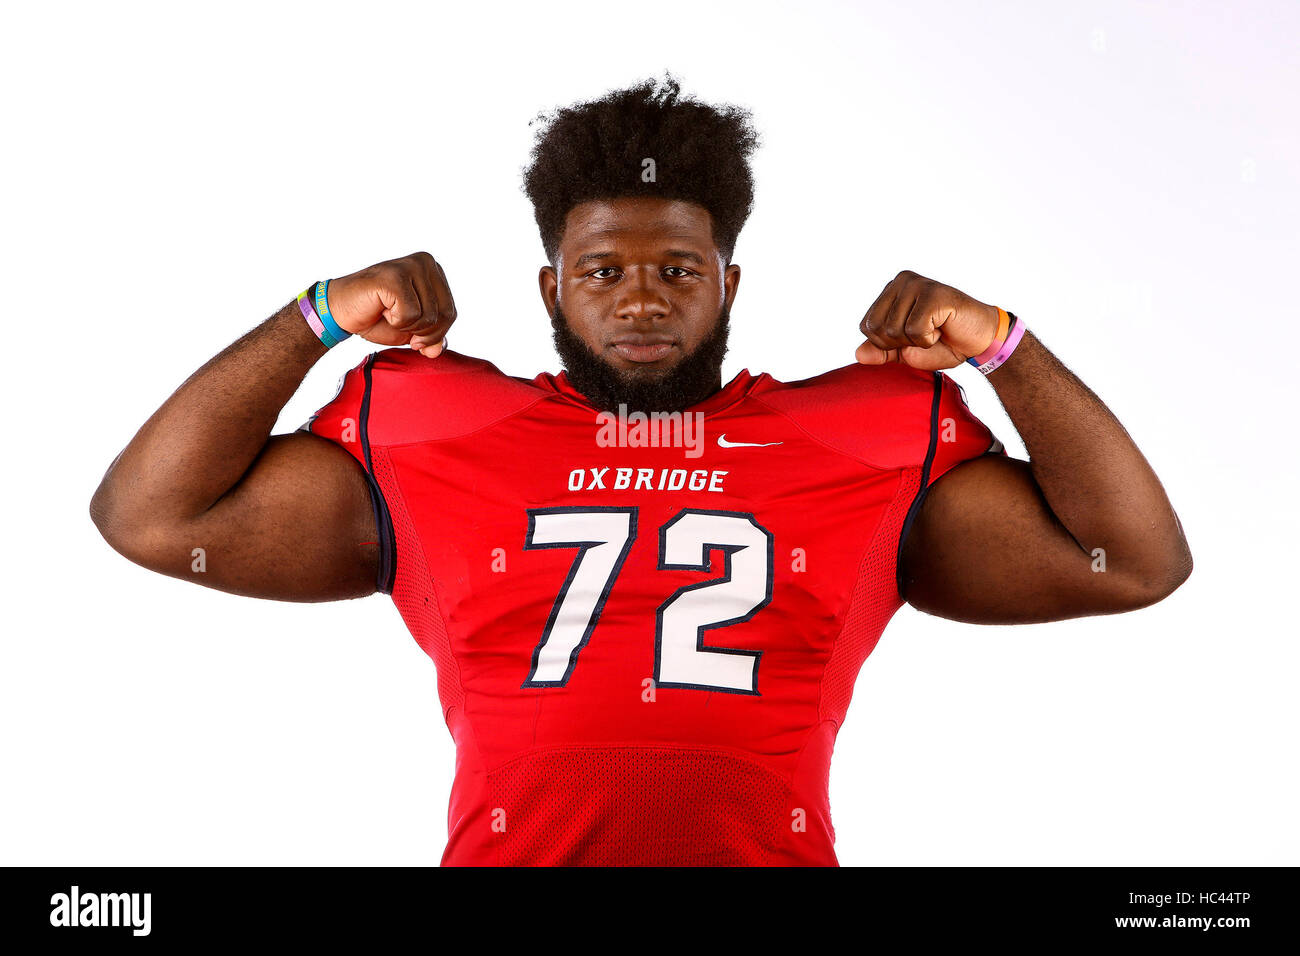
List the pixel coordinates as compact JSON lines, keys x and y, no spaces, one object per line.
{"x":693,"y":379}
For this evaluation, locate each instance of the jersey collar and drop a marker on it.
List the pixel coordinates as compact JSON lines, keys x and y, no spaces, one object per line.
{"x":724,"y":398}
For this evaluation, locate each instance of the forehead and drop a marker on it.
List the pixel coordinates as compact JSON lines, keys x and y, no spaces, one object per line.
{"x":637,"y":220}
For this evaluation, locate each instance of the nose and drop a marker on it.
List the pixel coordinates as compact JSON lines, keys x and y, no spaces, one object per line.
{"x":641,"y":298}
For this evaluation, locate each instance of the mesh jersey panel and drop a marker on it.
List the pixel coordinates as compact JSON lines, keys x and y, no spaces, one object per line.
{"x":875,"y":600}
{"x":637,"y":807}
{"x":413,"y":594}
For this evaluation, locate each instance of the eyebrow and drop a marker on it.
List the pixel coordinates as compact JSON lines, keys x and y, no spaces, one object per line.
{"x":686,"y":254}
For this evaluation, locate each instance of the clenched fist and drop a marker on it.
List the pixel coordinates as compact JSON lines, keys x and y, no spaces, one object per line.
{"x":402,"y":301}
{"x":925,"y":324}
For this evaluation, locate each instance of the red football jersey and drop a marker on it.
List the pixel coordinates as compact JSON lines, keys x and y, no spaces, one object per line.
{"x":646,"y":633}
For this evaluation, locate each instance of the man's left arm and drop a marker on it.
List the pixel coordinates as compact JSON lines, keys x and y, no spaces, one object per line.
{"x":1084,"y":527}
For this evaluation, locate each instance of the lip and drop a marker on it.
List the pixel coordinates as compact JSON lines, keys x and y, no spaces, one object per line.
{"x":649,"y":348}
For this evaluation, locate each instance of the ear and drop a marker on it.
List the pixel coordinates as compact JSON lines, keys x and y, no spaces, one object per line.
{"x":549,"y":285}
{"x":731,"y":283}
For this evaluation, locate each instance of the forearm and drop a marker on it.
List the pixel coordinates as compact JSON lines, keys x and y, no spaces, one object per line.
{"x":202,"y":440}
{"x":1092,"y":475}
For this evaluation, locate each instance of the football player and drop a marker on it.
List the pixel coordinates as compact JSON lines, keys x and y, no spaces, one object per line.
{"x":647,"y":592}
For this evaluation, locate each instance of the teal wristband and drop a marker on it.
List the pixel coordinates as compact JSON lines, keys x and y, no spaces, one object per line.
{"x":323,"y":310}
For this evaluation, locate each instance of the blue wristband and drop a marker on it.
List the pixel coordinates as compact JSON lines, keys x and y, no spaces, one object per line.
{"x":323,"y":310}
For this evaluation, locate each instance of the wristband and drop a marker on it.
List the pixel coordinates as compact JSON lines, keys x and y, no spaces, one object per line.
{"x":323,"y":310}
{"x":305,"y":299}
{"x":1010,"y":331}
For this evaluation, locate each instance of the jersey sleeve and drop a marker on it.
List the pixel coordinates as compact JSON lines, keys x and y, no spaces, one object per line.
{"x":956,"y":435}
{"x":344,"y":421}
{"x":339,"y":419}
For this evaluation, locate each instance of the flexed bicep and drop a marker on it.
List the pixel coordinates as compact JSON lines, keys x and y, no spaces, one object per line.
{"x":298,"y":526}
{"x":985,"y":548}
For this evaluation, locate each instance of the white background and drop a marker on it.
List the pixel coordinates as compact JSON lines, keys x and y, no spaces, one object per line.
{"x":1122,"y":175}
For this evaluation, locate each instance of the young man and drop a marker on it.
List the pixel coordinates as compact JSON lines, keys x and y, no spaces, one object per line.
{"x":646,"y":627}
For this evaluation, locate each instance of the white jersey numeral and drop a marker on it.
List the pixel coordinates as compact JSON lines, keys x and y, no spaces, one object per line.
{"x":745,"y":588}
{"x":603,"y":537}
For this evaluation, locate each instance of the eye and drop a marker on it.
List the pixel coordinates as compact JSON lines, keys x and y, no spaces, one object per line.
{"x":683,"y":272}
{"x":597,"y":272}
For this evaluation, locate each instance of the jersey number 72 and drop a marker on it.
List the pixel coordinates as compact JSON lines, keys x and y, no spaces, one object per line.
{"x":603,"y":537}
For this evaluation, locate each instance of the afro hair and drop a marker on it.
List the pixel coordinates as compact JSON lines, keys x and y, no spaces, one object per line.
{"x":600,"y":150}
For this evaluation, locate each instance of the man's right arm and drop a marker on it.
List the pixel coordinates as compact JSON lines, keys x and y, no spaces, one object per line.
{"x":287,"y":517}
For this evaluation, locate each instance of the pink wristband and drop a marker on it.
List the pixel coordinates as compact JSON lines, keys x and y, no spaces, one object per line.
{"x":1014,"y":336}
{"x":309,"y":313}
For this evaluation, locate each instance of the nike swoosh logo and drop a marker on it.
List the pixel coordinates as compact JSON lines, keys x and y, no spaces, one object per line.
{"x":722,"y":441}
